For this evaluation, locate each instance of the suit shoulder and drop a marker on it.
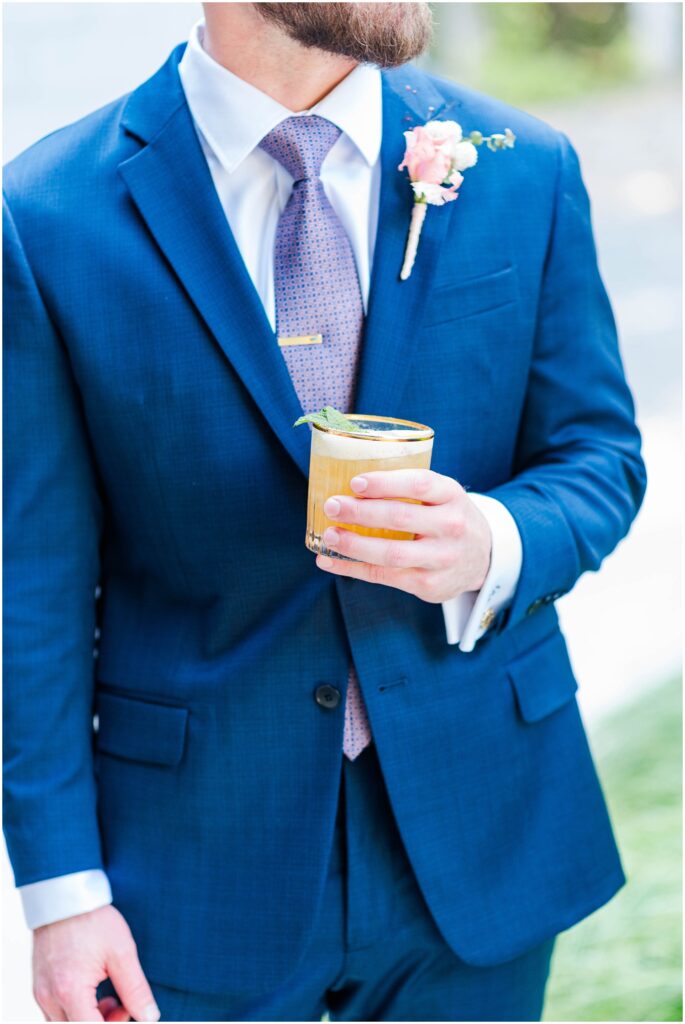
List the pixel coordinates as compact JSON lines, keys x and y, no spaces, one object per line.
{"x":489,"y":114}
{"x":67,"y":158}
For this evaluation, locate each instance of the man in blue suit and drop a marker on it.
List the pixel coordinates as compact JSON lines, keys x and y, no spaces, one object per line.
{"x":280,"y":788}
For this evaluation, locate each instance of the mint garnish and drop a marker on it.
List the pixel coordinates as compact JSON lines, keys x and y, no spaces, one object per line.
{"x":329,"y":417}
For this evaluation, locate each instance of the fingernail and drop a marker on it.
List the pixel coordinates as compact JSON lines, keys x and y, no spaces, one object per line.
{"x":324,"y":562}
{"x":331,"y":536}
{"x":151,"y":1012}
{"x":332,"y":507}
{"x":359,"y":483}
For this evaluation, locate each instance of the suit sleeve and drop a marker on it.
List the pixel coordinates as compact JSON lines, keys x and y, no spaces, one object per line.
{"x":53,"y":519}
{"x":579,"y":477}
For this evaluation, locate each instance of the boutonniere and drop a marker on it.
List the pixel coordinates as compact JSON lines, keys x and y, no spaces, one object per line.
{"x":435,"y":156}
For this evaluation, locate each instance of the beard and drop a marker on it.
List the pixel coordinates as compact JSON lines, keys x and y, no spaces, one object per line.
{"x":386,"y":34}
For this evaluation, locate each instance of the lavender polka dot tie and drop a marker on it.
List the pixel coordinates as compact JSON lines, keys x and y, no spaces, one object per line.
{"x":317,"y":293}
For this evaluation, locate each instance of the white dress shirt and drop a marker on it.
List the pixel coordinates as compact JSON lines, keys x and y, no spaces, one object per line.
{"x":231,"y":117}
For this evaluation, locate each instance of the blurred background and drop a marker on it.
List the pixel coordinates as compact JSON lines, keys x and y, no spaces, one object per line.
{"x":609,"y":76}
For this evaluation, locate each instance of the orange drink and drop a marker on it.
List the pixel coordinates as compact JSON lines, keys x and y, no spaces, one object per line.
{"x":337,"y":455}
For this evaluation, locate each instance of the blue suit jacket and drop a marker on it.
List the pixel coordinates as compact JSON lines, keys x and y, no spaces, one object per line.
{"x":150,"y":450}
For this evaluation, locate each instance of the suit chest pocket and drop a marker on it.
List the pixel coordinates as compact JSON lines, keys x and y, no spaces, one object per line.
{"x":473,"y":297}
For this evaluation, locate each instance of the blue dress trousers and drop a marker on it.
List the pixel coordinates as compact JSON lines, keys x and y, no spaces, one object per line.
{"x":374,"y":951}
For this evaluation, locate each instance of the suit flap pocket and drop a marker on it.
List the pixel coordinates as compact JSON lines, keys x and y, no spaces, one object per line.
{"x":542,"y":678}
{"x":140,"y":730}
{"x":477,"y":295}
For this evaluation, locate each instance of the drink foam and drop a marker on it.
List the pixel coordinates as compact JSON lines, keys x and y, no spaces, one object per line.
{"x":338,"y":446}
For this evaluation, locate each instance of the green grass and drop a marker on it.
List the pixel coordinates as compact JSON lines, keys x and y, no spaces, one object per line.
{"x":624,"y":962}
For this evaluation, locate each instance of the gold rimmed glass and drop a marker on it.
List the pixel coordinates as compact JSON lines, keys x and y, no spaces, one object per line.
{"x":336,"y":456}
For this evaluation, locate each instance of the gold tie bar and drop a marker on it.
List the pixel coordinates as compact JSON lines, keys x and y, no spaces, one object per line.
{"x":302,"y":339}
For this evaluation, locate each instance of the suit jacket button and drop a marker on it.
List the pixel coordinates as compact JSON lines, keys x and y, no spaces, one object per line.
{"x":327,"y":696}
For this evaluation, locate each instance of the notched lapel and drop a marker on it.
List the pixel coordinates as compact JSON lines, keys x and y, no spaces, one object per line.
{"x":396,"y":307}
{"x":172,"y":187}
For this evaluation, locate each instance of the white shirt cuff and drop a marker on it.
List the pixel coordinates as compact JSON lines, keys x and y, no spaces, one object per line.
{"x":64,"y":896}
{"x":469,"y":616}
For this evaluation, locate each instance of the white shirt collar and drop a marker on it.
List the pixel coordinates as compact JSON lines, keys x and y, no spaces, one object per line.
{"x":234,"y":116}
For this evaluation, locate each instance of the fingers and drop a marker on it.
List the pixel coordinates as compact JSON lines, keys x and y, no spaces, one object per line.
{"x":402,"y":579}
{"x":384,"y":514}
{"x":423,"y":484}
{"x":81,"y":1005}
{"x":112,"y":1010}
{"x":73,"y":955}
{"x":61,"y":1003}
{"x":131,"y":984}
{"x":395,"y":554}
{"x":51,"y":1010}
{"x":119,"y":1013}
{"x":107,"y":1004}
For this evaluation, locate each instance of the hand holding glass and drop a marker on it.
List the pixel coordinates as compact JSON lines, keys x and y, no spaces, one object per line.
{"x":379,"y":442}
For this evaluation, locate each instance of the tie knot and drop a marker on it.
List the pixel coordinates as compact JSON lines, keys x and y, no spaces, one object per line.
{"x":301,"y":144}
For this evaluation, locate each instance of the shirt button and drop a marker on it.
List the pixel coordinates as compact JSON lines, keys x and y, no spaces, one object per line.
{"x":327,"y":696}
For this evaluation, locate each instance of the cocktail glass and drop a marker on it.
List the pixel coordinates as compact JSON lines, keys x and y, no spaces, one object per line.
{"x":336,"y":456}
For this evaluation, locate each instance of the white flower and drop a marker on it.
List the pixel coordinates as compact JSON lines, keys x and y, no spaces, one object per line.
{"x":465,"y":155}
{"x":444,"y":130}
{"x":435,"y":195}
{"x":449,"y":134}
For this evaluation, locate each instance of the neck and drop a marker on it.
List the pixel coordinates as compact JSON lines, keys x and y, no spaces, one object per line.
{"x":238,"y":38}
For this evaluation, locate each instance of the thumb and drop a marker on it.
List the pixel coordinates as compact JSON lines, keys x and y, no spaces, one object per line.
{"x":131,"y":985}
{"x":112,"y":1010}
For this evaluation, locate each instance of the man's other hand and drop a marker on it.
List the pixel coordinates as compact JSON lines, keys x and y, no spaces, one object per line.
{"x":70,"y":959}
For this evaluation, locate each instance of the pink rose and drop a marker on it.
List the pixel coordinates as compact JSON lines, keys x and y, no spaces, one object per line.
{"x":425,"y":157}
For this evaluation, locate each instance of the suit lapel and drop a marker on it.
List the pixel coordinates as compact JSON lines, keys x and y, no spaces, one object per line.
{"x":172,"y":187}
{"x":396,"y":307}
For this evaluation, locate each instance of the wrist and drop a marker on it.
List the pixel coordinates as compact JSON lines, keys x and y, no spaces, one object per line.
{"x":482,"y":550}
